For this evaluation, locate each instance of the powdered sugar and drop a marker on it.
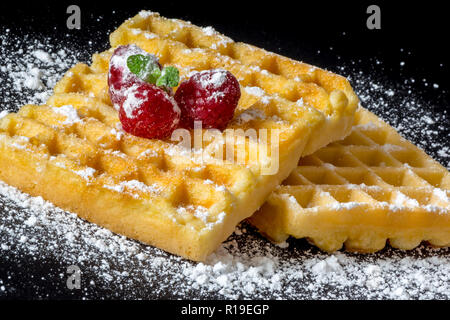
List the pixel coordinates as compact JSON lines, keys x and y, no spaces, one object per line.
{"x":366,"y":126}
{"x":212,"y":80}
{"x":441,"y":195}
{"x":20,"y":142}
{"x":327,"y":266}
{"x":251,"y":114}
{"x":69,"y":112}
{"x":257,"y":91}
{"x":117,"y":133}
{"x":43,"y":56}
{"x":3,"y":113}
{"x":245,"y":266}
{"x":87,"y":174}
{"x":30,"y":78}
{"x":131,"y":186}
{"x":401,"y":200}
{"x":345,"y":205}
{"x":401,"y":105}
{"x":209,"y":31}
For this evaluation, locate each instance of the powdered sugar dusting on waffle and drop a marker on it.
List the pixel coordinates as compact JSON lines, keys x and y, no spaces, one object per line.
{"x":132,"y":100}
{"x":401,"y":106}
{"x":117,"y":133}
{"x":402,"y":200}
{"x":19,"y":142}
{"x":19,"y":146}
{"x":87,"y":173}
{"x":202,"y":214}
{"x":69,"y":112}
{"x":209,"y":31}
{"x":442,"y":195}
{"x":365,"y":126}
{"x":131,"y":186}
{"x":258,"y":92}
{"x":4,"y":113}
{"x":345,"y":205}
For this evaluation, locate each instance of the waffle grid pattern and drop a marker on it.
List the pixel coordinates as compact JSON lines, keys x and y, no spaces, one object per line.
{"x":360,"y":191}
{"x":200,"y":196}
{"x":153,"y":190}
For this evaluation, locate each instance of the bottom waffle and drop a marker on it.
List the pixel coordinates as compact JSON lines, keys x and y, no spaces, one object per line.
{"x":371,"y":187}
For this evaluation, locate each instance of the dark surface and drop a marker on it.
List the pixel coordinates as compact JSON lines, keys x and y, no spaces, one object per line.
{"x":320,"y":33}
{"x":297,"y":31}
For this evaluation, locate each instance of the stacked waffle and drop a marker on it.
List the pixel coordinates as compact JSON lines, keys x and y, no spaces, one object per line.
{"x":73,"y":152}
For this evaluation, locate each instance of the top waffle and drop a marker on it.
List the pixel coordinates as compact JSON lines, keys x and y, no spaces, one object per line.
{"x":73,"y":152}
{"x":372,"y":186}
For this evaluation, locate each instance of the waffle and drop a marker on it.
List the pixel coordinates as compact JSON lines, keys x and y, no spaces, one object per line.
{"x":73,"y":152}
{"x":367,"y":188}
{"x":187,"y":45}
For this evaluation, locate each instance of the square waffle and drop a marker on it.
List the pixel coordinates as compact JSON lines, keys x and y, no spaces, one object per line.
{"x":73,"y":152}
{"x":367,"y":188}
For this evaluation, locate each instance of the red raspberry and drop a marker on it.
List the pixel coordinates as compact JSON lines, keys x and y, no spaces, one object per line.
{"x":119,"y":76}
{"x":210,"y":96}
{"x":145,"y":110}
{"x":148,"y":111}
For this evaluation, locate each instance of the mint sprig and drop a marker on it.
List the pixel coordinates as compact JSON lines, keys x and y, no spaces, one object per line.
{"x":136,"y":63}
{"x":144,"y":67}
{"x":170,"y":76}
{"x":148,"y":70}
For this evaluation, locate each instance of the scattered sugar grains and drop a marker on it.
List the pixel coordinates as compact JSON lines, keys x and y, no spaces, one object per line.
{"x":245,"y":266}
{"x":29,"y":69}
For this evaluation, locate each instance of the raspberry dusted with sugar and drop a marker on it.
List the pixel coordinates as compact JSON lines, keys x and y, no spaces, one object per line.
{"x":142,"y":93}
{"x":148,"y":111}
{"x":119,"y":75}
{"x":210,"y":96}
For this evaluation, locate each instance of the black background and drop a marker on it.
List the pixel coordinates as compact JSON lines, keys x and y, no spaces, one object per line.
{"x":298,"y":29}
{"x":323,"y":33}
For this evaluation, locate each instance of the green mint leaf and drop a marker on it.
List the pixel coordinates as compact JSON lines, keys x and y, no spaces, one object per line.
{"x":170,"y":76}
{"x":136,"y":63}
{"x":153,"y":74}
{"x":144,"y":67}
